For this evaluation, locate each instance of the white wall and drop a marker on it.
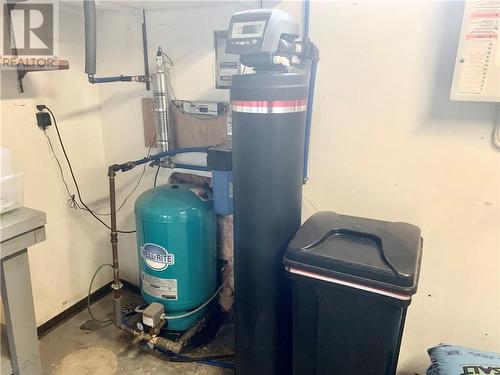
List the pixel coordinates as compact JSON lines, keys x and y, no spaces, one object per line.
{"x":386,"y":143}
{"x":185,"y":32}
{"x":61,"y":266}
{"x":120,"y":51}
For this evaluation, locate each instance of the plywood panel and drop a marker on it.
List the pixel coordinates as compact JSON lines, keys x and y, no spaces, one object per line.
{"x":198,"y":131}
{"x":148,"y":118}
{"x":187,"y":130}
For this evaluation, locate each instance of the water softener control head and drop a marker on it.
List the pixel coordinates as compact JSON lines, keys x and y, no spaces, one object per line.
{"x":267,"y":39}
{"x":260,"y":31}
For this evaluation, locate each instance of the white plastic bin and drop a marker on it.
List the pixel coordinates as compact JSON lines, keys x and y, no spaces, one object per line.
{"x":11,"y":192}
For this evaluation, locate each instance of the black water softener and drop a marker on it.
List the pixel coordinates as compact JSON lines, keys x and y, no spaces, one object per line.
{"x":269,"y":126}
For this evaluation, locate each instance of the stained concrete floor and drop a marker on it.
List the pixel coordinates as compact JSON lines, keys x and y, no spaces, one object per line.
{"x":68,"y":350}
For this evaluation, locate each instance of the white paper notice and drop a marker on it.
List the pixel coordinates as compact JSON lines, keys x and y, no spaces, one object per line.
{"x":477,"y":69}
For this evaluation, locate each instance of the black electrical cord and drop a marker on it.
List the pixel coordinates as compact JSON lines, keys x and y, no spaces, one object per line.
{"x":79,"y":195}
{"x":168,"y":58}
{"x":92,"y":316}
{"x":72,"y":201}
{"x":140,"y":177}
{"x":216,"y":360}
{"x":172,"y":357}
{"x":156,"y":174}
{"x":177,"y":102}
{"x":198,"y":359}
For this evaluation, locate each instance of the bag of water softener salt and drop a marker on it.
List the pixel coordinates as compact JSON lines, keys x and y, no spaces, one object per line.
{"x":457,"y":360}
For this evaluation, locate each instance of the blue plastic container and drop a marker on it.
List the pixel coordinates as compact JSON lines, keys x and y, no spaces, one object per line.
{"x":176,"y":240}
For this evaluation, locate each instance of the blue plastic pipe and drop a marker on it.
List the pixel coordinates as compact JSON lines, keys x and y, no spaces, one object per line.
{"x":310,"y":97}
{"x":111,"y":79}
{"x":132,"y":164}
{"x":306,"y":19}
{"x":310,"y":101}
{"x":205,"y":362}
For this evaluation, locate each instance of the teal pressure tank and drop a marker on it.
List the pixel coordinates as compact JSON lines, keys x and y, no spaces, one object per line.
{"x":176,"y":240}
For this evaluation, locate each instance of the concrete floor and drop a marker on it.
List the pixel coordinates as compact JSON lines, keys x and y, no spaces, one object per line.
{"x":68,"y":350}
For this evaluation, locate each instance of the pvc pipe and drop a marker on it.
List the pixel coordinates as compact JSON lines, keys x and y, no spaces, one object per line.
{"x":310,"y":95}
{"x":310,"y":101}
{"x":306,"y":19}
{"x":89,"y":13}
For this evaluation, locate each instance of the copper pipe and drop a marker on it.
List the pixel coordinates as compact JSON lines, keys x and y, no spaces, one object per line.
{"x":163,"y":343}
{"x":117,"y":285}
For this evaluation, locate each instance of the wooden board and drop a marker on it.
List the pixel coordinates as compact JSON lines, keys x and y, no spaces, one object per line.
{"x":188,"y":130}
{"x":148,"y":118}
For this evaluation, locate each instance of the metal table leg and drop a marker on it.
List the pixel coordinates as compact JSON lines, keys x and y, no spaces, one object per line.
{"x":20,"y":315}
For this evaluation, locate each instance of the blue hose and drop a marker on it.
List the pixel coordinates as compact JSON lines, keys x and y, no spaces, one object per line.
{"x":306,"y":19}
{"x":310,"y":101}
{"x":310,"y":97}
{"x":120,"y":78}
{"x":205,"y":362}
{"x":110,"y":79}
{"x":132,"y":164}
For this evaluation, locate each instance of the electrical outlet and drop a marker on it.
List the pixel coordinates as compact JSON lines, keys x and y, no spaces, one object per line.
{"x":203,"y":108}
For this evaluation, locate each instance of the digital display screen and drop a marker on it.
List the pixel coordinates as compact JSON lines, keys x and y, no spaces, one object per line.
{"x":250,"y":29}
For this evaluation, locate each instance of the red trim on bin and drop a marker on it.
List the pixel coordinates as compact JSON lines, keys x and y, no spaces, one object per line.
{"x":401,"y":296}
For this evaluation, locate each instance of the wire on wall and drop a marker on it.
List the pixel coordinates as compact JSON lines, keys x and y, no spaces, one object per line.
{"x":178,"y":102}
{"x":92,"y":316}
{"x":72,"y":201}
{"x":140,"y":177}
{"x":156,"y":174}
{"x":80,"y":201}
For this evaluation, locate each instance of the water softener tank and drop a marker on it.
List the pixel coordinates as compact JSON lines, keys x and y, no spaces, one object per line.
{"x":269,"y":114}
{"x":176,"y":240}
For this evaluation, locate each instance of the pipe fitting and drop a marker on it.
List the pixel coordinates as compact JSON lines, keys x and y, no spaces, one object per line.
{"x":161,"y":342}
{"x":166,"y":344}
{"x":112,"y":169}
{"x":117,"y":308}
{"x":116,"y":286}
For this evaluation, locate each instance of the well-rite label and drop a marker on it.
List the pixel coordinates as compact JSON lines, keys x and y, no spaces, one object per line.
{"x":156,"y":257}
